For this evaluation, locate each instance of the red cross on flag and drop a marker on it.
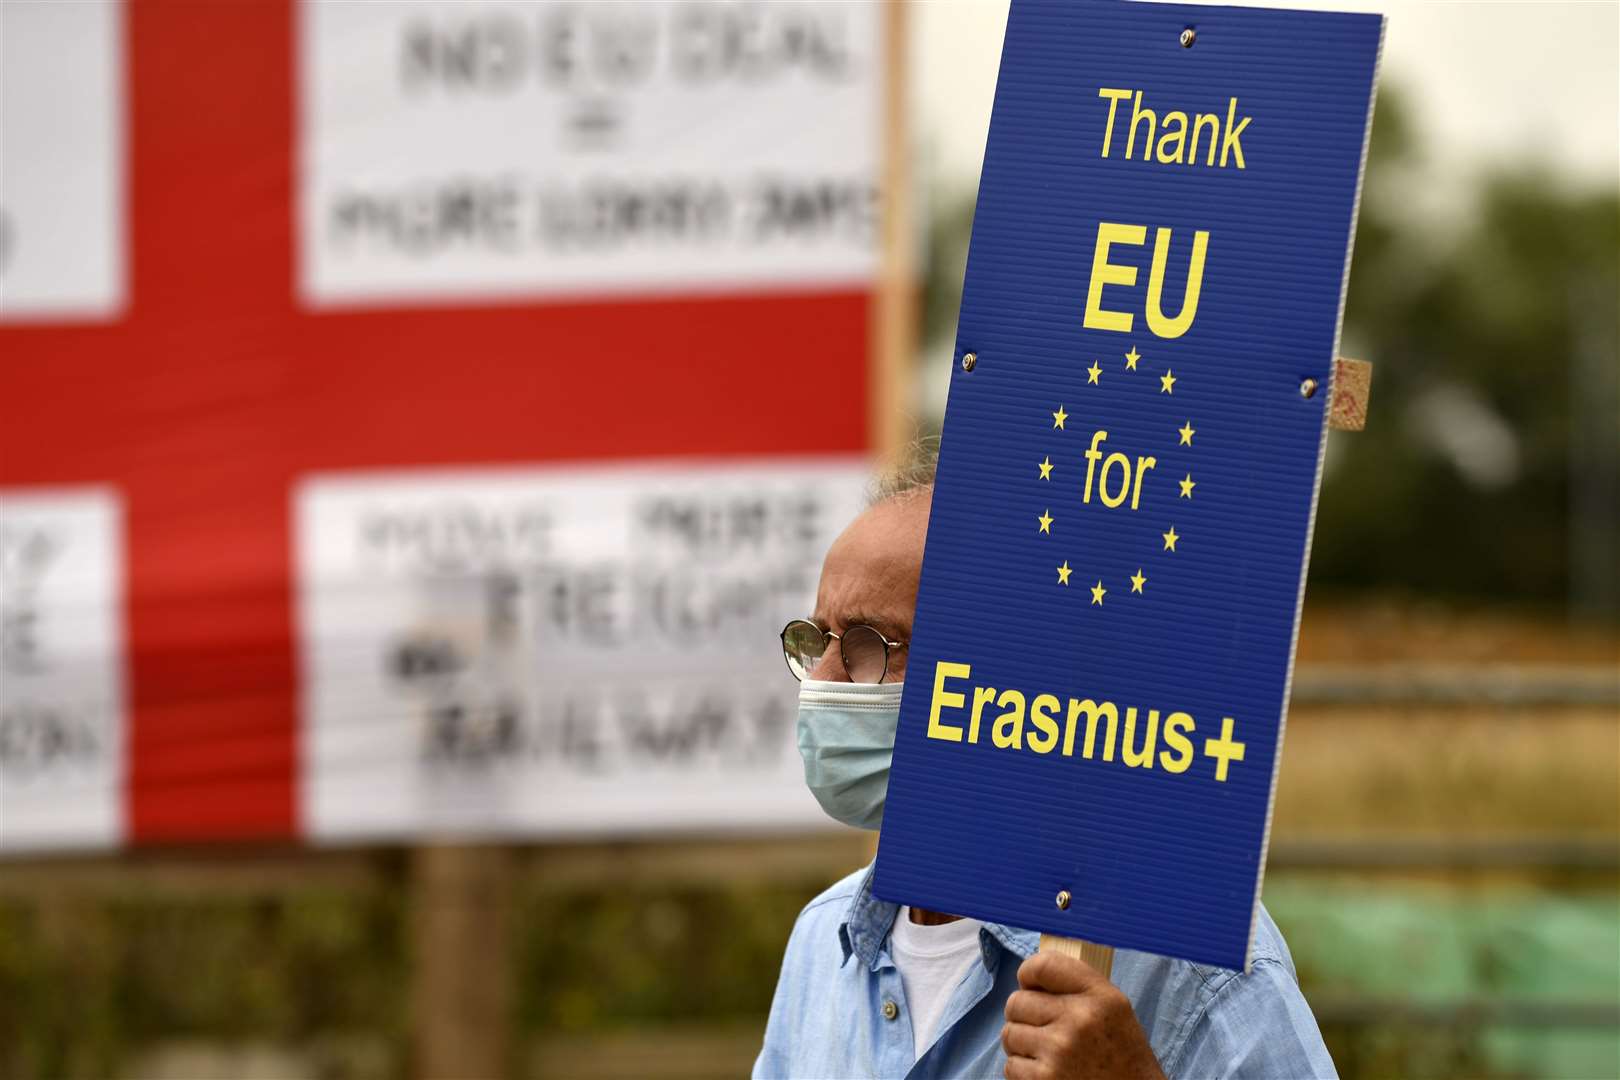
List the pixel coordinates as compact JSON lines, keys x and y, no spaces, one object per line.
{"x":421,"y":416}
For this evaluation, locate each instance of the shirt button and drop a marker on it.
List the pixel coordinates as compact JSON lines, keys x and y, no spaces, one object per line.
{"x":890,"y":1010}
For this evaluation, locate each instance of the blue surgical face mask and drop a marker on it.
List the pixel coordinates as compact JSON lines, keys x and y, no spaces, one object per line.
{"x":846,"y":737}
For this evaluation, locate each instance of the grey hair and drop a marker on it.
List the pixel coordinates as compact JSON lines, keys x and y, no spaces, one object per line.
{"x":912,"y":474}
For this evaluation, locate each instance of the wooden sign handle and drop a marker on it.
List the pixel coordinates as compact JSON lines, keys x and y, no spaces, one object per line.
{"x":1352,"y":383}
{"x":1100,"y":957}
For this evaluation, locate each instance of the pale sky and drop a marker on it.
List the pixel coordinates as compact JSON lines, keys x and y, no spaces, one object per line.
{"x":1485,"y":81}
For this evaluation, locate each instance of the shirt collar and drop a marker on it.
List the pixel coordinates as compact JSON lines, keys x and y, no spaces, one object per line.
{"x":868,"y":920}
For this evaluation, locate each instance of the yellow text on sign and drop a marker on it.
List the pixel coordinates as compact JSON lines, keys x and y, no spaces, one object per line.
{"x":1105,"y":272}
{"x":1116,"y":463}
{"x":1042,"y":724}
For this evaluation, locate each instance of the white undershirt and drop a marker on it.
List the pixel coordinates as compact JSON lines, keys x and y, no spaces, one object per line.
{"x":932,"y":960}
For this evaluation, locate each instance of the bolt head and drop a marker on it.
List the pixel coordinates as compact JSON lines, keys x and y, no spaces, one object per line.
{"x":1063,"y":899}
{"x":1307,"y":388}
{"x":1188,"y":36}
{"x":969,"y":361}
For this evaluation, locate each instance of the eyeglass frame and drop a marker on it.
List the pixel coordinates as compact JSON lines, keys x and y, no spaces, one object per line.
{"x":827,"y":635}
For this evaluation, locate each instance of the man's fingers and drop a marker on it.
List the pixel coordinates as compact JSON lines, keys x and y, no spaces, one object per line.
{"x":1027,"y":1068}
{"x":1059,"y":974}
{"x":1023,"y":1040}
{"x":1033,"y":1007}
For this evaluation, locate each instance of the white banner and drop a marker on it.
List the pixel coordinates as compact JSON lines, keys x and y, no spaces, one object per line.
{"x":61,"y":160}
{"x":61,"y":669}
{"x":559,"y":651}
{"x":454,"y":149}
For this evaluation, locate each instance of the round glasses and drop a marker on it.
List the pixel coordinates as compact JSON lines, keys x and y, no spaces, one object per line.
{"x":865,"y":651}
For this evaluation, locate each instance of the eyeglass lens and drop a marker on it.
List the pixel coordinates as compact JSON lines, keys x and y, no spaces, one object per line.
{"x":862,"y":649}
{"x":803,"y":643}
{"x":864,"y":654}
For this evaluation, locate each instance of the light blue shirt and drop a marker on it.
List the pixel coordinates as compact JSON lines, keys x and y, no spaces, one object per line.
{"x":840,"y":1008}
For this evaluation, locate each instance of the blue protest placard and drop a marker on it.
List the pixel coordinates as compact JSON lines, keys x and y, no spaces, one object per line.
{"x":1115,"y":564}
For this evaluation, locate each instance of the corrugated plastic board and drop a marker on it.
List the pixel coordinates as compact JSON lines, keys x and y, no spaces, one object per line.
{"x":1155,"y":860}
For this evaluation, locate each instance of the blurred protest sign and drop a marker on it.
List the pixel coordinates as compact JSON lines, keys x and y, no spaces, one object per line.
{"x":61,"y":669}
{"x":561,"y":149}
{"x":61,"y":167}
{"x":1133,"y":443}
{"x":555,"y":268}
{"x":583,"y":650}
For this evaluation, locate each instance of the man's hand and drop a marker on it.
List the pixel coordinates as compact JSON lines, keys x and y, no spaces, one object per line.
{"x":1068,"y":1022}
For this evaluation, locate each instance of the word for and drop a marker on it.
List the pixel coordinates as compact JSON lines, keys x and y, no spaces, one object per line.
{"x":1176,"y":138}
{"x":1104,"y":273}
{"x":1043,"y":716}
{"x":1123,"y":463}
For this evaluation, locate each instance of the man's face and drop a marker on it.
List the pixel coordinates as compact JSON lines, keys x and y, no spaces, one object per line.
{"x":870,"y":577}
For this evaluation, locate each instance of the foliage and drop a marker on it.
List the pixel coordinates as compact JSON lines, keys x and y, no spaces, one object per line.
{"x":86,"y":982}
{"x":709,"y":954}
{"x":85,"y":987}
{"x":1512,"y":317}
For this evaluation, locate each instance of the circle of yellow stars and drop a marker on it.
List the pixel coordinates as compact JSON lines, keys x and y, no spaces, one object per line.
{"x":1138,"y":581}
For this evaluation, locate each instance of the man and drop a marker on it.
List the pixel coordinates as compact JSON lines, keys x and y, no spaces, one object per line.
{"x":871,"y":989}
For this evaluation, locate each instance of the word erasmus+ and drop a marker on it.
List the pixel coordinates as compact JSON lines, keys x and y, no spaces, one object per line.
{"x":1051,"y":723}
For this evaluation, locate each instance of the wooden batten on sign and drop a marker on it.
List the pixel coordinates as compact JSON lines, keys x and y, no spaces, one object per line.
{"x":1347,"y":411}
{"x":1352,"y":384}
{"x":1100,"y":957}
{"x":892,"y":336}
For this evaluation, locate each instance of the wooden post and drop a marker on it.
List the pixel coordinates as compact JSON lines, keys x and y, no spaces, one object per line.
{"x":461,"y":899}
{"x":1100,"y":957}
{"x":892,"y":338}
{"x":892,"y":333}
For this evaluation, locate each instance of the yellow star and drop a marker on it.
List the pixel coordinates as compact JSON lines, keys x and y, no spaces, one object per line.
{"x":1097,"y":593}
{"x":1046,"y":468}
{"x":1092,"y":372}
{"x":1170,"y":539}
{"x":1187,"y":432}
{"x":1138,"y":579}
{"x":1131,"y":358}
{"x":1064,"y":572}
{"x":1166,"y":381}
{"x":1058,"y":417}
{"x":1046,"y":521}
{"x":1186,"y":486}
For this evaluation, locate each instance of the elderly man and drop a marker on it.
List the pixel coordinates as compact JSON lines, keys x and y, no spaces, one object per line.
{"x":872,"y":989}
